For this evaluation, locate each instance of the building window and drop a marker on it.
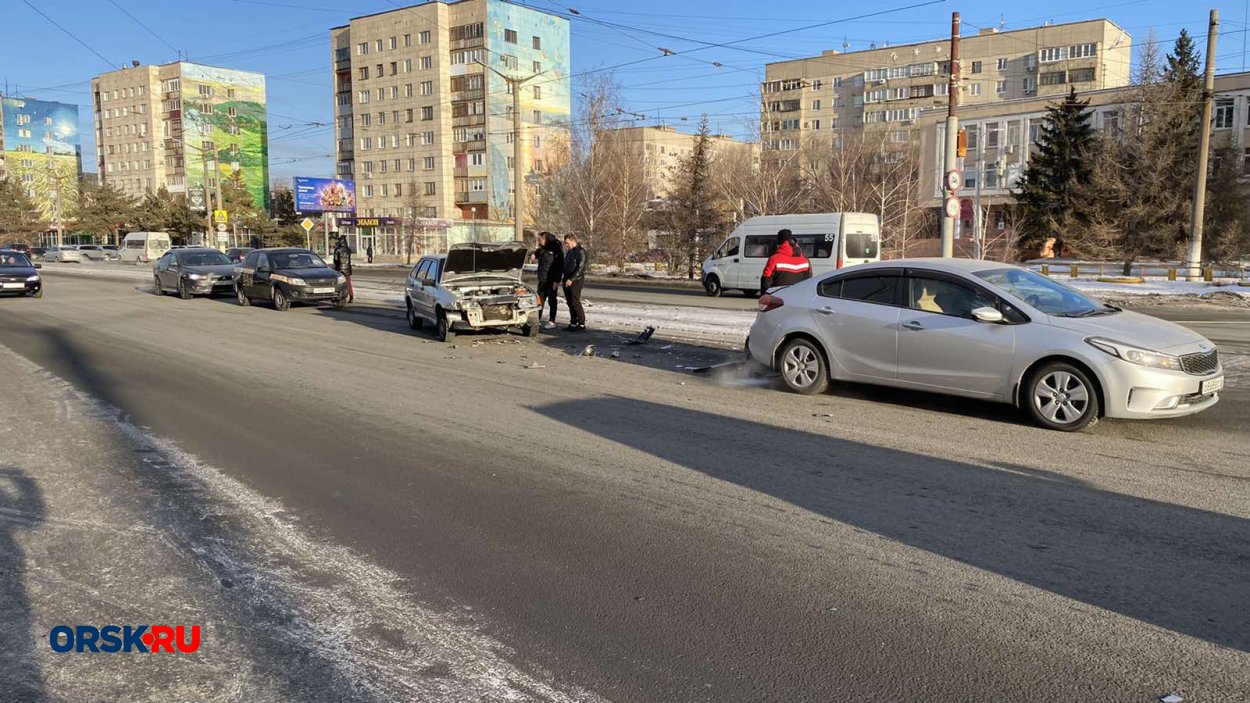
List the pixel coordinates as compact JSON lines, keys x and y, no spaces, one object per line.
{"x":427,"y":62}
{"x":1002,"y":64}
{"x":477,"y":185}
{"x":1223,"y":114}
{"x":538,"y":117}
{"x":427,"y":113}
{"x":394,"y":92}
{"x":427,"y":138}
{"x":837,"y":82}
{"x":1082,"y":51}
{"x":1029,"y":84}
{"x":394,"y":67}
{"x":478,"y":158}
{"x":394,"y":43}
{"x":424,"y":37}
{"x":431,"y":188}
{"x":385,"y":165}
{"x":509,"y":35}
{"x":366,"y":119}
{"x":427,"y":163}
{"x":362,"y":73}
{"x":1053,"y":54}
{"x":815,"y":104}
{"x":815,"y":124}
{"x":1054,"y":78}
{"x":537,"y":66}
{"x":976,"y":66}
{"x":1081,"y":75}
{"x":362,"y":49}
{"x":538,"y":92}
{"x":1000,"y":87}
{"x":974,"y":89}
{"x":381,"y":118}
{"x":381,"y":94}
{"x":368,"y":191}
{"x":378,"y":44}
{"x":362,"y":97}
{"x":427,"y":87}
{"x":407,"y":65}
{"x":407,"y":40}
{"x":537,"y":43}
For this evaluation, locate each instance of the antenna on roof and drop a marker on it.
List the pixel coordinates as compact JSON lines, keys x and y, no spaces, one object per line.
{"x":1002,"y":23}
{"x":846,"y":45}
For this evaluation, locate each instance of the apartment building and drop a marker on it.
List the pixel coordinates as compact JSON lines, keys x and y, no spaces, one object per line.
{"x":174,"y":126}
{"x":40,"y":149}
{"x":423,"y":122}
{"x":661,"y":149}
{"x":839,"y":94}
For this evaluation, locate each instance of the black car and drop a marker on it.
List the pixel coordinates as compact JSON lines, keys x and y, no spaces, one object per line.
{"x":288,"y":275}
{"x":238,"y":254}
{"x":191,"y":272}
{"x":18,"y":275}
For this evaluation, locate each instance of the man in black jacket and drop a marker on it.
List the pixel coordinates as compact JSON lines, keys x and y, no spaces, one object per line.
{"x":550,"y":267}
{"x":574,"y":274}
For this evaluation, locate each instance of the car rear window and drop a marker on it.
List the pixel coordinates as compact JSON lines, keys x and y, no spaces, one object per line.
{"x":862,"y":245}
{"x":815,"y":246}
{"x":882,"y":290}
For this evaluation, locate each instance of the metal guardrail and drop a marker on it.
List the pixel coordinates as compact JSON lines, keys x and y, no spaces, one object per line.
{"x":1172,"y":271}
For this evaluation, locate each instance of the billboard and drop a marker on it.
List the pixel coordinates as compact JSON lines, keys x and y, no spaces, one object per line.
{"x":41,"y":147}
{"x":324,"y":195}
{"x":229,"y":112}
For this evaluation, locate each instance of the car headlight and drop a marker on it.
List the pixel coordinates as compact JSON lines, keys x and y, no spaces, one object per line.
{"x":297,"y":281}
{"x":196,"y":276}
{"x":529,"y":301}
{"x":1135,"y":355}
{"x":32,"y":279}
{"x":342,"y":278}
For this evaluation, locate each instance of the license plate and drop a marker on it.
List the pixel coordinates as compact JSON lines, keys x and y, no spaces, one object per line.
{"x":1212,"y":386}
{"x":14,"y":285}
{"x":323,"y":290}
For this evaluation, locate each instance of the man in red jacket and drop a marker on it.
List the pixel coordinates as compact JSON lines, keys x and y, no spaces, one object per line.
{"x":787,"y":265}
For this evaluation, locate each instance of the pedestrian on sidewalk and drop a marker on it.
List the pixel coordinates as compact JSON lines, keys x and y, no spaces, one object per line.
{"x":343,"y":264}
{"x":550,"y":256}
{"x":787,"y":265}
{"x":574,"y":275}
{"x":369,"y":253}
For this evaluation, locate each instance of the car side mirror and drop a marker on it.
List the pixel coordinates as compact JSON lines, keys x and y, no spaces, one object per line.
{"x":987,"y":314}
{"x":262,"y":269}
{"x":38,"y":266}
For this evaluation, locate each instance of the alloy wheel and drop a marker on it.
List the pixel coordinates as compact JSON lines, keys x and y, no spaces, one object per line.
{"x":1061,"y":397}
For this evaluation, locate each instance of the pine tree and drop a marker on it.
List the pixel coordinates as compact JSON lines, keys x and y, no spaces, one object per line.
{"x":693,"y":206}
{"x":1227,"y":220}
{"x":1182,"y":67}
{"x":1048,"y":194}
{"x":18,"y":212}
{"x":103,"y":210}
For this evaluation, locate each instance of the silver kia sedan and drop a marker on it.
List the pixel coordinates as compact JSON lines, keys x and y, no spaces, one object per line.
{"x":984,"y":330}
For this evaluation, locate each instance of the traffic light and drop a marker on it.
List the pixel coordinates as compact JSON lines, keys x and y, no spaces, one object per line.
{"x":961,"y":144}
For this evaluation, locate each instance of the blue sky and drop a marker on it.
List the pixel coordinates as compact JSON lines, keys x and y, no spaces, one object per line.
{"x":288,"y":40}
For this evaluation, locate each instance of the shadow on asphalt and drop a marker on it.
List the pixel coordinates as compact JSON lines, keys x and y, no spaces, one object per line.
{"x":1172,"y":566}
{"x":21,"y":508}
{"x":258,"y":612}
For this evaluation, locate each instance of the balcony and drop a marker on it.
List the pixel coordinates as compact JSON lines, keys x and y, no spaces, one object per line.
{"x":468,"y":121}
{"x":465,"y":147}
{"x":472,"y":94}
{"x":471,"y":198}
{"x":468,"y":43}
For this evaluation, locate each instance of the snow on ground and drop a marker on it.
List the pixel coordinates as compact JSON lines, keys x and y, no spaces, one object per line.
{"x":1153,"y":286}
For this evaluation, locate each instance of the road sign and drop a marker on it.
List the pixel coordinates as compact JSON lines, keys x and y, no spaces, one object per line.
{"x":954,"y":179}
{"x":952,"y":207}
{"x":221,"y":217}
{"x":196,"y":198}
{"x":221,"y":226}
{"x":307,"y":224}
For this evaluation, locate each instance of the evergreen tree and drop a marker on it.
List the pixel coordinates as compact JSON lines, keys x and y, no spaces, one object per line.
{"x":1227,"y":214}
{"x":18,"y":212}
{"x":282,"y":204}
{"x":1048,"y":195}
{"x":152,"y":214}
{"x":1182,"y":67}
{"x":693,"y":206}
{"x":103,"y":210}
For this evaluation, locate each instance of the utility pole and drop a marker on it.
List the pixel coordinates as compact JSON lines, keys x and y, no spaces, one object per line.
{"x":1194,"y":262}
{"x":950,"y":163}
{"x":518,"y":182}
{"x":208,"y":200}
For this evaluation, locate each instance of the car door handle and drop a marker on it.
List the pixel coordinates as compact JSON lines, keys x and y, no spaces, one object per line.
{"x":826,"y":311}
{"x":735,"y":260}
{"x":913,"y":325}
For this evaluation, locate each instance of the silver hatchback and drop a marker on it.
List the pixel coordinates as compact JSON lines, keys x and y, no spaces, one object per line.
{"x":985,"y":330}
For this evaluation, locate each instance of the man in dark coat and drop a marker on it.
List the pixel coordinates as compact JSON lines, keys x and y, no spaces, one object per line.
{"x":574,"y":275}
{"x":550,"y":258}
{"x":343,"y":264}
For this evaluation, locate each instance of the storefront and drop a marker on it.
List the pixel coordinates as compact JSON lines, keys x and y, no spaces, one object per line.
{"x":394,"y":237}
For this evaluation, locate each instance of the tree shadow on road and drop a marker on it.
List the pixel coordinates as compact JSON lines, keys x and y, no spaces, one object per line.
{"x":21,"y":508}
{"x":1172,"y":566}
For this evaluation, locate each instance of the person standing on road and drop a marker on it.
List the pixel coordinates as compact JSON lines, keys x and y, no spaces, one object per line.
{"x":550,"y":258}
{"x":369,"y":253}
{"x":343,"y":264}
{"x":787,"y":265}
{"x":574,"y":274}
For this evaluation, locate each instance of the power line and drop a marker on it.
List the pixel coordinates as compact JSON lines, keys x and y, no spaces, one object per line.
{"x":144,"y":26}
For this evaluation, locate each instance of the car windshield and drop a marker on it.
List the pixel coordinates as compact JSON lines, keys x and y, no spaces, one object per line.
{"x":296,"y":260}
{"x":14,"y":259}
{"x":1048,"y":296}
{"x":203,"y":258}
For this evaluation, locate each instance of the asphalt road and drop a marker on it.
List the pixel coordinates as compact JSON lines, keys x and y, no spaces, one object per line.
{"x":647,"y":534}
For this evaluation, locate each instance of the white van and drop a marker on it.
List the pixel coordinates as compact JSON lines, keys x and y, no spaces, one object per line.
{"x":142,"y":247}
{"x":830,"y":240}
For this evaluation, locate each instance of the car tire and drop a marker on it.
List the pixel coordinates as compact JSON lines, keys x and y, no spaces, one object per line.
{"x":156,"y":280}
{"x":414,"y":320}
{"x":1061,"y":396}
{"x":340,"y":303}
{"x":183,"y":291}
{"x":280,"y":301}
{"x":711,"y":286}
{"x":445,"y":332}
{"x":803,"y":368}
{"x":244,"y":301}
{"x":38,"y":293}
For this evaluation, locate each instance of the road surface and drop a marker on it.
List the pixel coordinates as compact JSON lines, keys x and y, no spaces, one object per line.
{"x":629,"y":531}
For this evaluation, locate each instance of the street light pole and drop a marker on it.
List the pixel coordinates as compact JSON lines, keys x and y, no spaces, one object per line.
{"x":950,"y":159}
{"x":518,"y":185}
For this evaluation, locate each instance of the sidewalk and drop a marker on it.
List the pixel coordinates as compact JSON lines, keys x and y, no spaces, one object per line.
{"x":103,"y":523}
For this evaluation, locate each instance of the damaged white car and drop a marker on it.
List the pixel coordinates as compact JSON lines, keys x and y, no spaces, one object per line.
{"x":476,"y":285}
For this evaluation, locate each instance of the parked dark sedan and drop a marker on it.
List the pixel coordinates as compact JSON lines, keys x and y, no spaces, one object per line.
{"x":18,"y":275}
{"x":288,"y":275}
{"x":238,"y":254}
{"x":191,"y":272}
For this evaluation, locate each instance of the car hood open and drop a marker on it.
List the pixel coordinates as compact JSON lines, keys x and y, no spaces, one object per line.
{"x":477,"y":258}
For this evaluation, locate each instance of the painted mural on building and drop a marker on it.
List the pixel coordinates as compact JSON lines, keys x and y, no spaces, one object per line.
{"x":510,"y":33}
{"x":42,"y":151}
{"x":227,"y":107}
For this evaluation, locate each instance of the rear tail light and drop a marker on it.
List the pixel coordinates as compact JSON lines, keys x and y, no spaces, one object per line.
{"x":839,"y":261}
{"x":770,"y":302}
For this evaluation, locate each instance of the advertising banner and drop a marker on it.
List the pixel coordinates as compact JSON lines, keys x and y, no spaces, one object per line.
{"x":314,"y":195}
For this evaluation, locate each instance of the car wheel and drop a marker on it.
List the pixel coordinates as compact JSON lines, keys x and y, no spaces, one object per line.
{"x":711,"y":285}
{"x":37,"y":294}
{"x":280,"y":301}
{"x":414,"y":320}
{"x":803,"y":368}
{"x":184,"y":291}
{"x":445,"y":332}
{"x":243,"y":299}
{"x":156,"y":281}
{"x":340,"y":303}
{"x":1062,"y":397}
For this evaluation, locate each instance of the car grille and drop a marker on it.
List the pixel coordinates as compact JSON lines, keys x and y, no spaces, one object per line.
{"x":12,"y":279}
{"x":496,"y":312}
{"x":1202,"y":363}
